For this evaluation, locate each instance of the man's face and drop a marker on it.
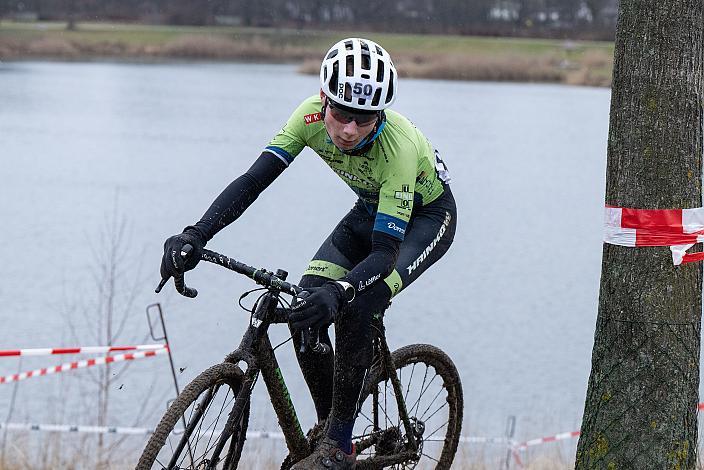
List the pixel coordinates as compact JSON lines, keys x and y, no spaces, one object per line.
{"x":345,"y":129}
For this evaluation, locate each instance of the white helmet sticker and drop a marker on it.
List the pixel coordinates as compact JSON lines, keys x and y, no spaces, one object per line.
{"x":362,"y":88}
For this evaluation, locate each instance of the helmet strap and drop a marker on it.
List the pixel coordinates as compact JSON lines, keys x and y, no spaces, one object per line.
{"x":368,"y":141}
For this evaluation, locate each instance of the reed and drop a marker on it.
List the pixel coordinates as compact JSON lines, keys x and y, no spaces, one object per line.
{"x":416,"y":56}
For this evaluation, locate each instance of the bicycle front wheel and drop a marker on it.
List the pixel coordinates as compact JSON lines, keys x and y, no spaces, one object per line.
{"x":432,"y":394}
{"x":199,"y":430}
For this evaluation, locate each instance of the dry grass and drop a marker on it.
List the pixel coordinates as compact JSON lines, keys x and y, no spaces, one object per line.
{"x":501,"y":68}
{"x":435,"y":57}
{"x":221,"y":47}
{"x":483,"y":68}
{"x":208,"y":47}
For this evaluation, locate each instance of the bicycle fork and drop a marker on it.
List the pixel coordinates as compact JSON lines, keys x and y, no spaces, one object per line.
{"x":260,"y":358}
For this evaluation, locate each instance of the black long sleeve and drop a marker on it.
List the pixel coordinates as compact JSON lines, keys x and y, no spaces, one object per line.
{"x":378,"y":264}
{"x":239,"y":195}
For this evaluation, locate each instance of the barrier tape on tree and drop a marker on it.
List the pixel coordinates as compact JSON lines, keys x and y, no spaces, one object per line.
{"x":79,"y":350}
{"x":83,"y":364}
{"x":679,"y":229}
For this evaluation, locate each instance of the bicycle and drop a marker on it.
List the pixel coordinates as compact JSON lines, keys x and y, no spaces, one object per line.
{"x":214,"y":408}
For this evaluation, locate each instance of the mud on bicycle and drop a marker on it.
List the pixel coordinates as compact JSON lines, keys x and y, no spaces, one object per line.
{"x":409,"y":410}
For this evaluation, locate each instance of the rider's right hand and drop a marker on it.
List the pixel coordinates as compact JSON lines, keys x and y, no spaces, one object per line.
{"x":172,"y":263}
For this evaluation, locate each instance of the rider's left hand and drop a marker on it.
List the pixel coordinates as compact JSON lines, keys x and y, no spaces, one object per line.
{"x":318,"y":308}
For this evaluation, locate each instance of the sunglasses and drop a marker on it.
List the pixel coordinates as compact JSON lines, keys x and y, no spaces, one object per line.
{"x":344,"y":117}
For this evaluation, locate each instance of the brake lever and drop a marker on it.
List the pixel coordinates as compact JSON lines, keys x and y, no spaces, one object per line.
{"x":310,"y":338}
{"x":179,"y":281}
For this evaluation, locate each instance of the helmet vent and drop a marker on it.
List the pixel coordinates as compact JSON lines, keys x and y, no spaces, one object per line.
{"x":366,"y":61}
{"x":350,"y":66}
{"x":348,"y":45}
{"x":366,"y":75}
{"x":348,"y":92}
{"x":332,"y":54}
{"x":390,"y":94}
{"x":334,"y":78}
{"x":380,"y":71}
{"x":379,"y":50}
{"x":362,"y":101}
{"x":377,"y":97}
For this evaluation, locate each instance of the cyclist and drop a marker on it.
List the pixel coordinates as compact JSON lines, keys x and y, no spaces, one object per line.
{"x":403,"y":222}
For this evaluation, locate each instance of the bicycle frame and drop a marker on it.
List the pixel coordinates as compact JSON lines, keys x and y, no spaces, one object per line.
{"x":256,"y":351}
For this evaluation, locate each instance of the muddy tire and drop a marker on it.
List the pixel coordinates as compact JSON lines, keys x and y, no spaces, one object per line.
{"x":204,"y":405}
{"x":433,"y":396}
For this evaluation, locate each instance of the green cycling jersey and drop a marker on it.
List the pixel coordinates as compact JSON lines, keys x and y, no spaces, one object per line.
{"x":401,"y":168}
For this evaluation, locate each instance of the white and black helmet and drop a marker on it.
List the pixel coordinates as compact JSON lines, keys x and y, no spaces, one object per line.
{"x":358,"y":73}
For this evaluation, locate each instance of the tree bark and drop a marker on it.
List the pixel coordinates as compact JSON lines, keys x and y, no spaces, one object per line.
{"x":641,"y":404}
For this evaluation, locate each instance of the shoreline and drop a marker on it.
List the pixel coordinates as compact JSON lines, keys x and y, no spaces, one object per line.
{"x":430,"y":57}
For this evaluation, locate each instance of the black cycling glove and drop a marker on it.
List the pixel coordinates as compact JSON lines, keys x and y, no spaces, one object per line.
{"x":317,"y":306}
{"x":172,"y":263}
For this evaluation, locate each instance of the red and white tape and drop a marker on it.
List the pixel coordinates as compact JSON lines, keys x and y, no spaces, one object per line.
{"x":545,"y":440}
{"x":114,"y":430}
{"x":79,"y":350}
{"x":74,"y":428}
{"x":679,"y":229}
{"x":562,"y":436}
{"x":83,"y":364}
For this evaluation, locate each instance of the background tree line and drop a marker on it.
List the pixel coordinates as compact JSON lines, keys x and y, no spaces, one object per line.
{"x":589,"y":19}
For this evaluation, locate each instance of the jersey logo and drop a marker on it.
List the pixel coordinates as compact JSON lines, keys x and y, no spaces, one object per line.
{"x":416,"y":264}
{"x":405,"y":196}
{"x":311,"y":118}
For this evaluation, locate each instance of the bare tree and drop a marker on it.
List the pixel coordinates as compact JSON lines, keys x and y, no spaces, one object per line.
{"x":116,"y":285}
{"x":640,"y":409}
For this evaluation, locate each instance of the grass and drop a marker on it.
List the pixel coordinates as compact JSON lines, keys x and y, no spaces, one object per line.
{"x":420,"y":56}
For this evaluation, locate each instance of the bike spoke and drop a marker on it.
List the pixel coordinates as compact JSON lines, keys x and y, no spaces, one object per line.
{"x":442,"y":389}
{"x":203,"y":418}
{"x":422,"y":392}
{"x":386,"y":394}
{"x":215,"y":424}
{"x":425,"y":377}
{"x":435,"y":412}
{"x":436,"y":430}
{"x":212,"y":433}
{"x":366,"y":417}
{"x":410,"y":381}
{"x":214,"y":391}
{"x":385,"y":410}
{"x":210,"y":394}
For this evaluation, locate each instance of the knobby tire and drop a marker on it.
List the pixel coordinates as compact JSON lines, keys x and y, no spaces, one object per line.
{"x":415,"y":357}
{"x":218,"y":376}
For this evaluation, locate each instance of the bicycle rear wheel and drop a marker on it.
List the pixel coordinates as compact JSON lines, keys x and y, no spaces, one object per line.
{"x":432,"y":393}
{"x":211,"y":437}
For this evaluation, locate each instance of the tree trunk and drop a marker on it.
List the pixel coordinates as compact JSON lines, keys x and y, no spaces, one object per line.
{"x":641,"y":405}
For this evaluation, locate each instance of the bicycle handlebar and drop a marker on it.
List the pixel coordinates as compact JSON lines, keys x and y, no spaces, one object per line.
{"x":311,"y":338}
{"x":260,"y":276}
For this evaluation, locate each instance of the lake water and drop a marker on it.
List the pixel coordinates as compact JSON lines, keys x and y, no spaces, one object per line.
{"x":514,"y":302}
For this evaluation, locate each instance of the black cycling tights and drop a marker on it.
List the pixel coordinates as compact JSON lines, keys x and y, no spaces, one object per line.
{"x":335,"y":381}
{"x":353,"y":355}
